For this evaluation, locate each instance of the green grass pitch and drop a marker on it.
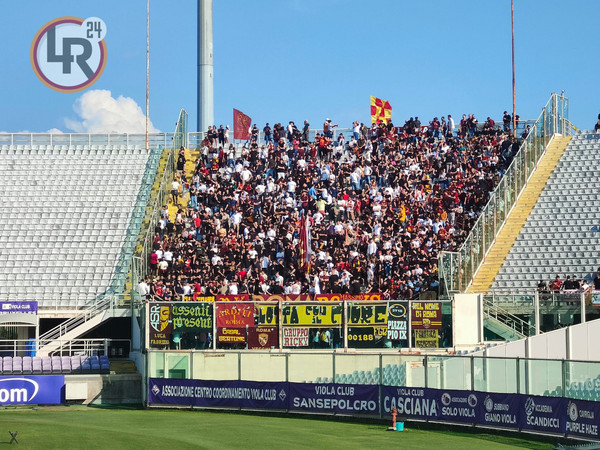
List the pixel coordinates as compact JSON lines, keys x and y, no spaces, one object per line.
{"x":120,"y":428}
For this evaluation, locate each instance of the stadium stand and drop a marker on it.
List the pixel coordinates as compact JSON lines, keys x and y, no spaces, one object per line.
{"x":380,"y":207}
{"x":562,"y":233}
{"x":67,"y":211}
{"x":47,"y":365}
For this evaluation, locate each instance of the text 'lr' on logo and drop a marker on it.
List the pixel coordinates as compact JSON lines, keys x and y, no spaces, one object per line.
{"x":68,"y":54}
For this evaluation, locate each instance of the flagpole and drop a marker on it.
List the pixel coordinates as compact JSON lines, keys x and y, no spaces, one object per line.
{"x":147,"y":70}
{"x":512,"y":25}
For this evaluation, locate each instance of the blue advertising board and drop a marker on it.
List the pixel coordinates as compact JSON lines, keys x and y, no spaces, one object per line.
{"x":328,"y":398}
{"x":207,"y":394}
{"x":550,"y":415}
{"x":32,"y":390}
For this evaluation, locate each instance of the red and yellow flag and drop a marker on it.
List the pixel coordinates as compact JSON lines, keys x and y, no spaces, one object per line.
{"x":241,"y":125}
{"x":381,"y":110}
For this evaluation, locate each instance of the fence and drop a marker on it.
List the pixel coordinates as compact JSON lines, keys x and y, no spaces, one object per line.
{"x":551,"y":397}
{"x":457,"y":269}
{"x":71,"y":347}
{"x":20,"y":140}
{"x":554,"y":378}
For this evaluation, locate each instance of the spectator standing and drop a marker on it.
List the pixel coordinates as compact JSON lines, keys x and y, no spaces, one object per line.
{"x":328,"y":128}
{"x":268,"y":134}
{"x":506,"y":119}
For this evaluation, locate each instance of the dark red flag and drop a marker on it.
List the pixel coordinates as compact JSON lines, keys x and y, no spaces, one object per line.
{"x":241,"y":125}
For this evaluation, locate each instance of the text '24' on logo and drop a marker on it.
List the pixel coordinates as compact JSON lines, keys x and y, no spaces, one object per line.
{"x":68,"y":54}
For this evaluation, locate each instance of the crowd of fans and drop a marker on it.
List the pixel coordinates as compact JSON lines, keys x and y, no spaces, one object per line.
{"x":570,"y":284}
{"x":381,"y":204}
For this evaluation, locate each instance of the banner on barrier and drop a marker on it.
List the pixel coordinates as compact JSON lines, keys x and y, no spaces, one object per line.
{"x":231,"y":394}
{"x":234,"y":315}
{"x":192,"y":317}
{"x":397,"y":326}
{"x":500,"y":410}
{"x":366,"y":337}
{"x":266,"y":314}
{"x":231,"y":335}
{"x":295,"y":337}
{"x":582,"y":418}
{"x":233,"y":298}
{"x":32,"y":390}
{"x":18,"y":307}
{"x":426,"y":315}
{"x":373,"y":296}
{"x":263,"y":337}
{"x":426,"y":338}
{"x":367,"y":315}
{"x":160,"y":325}
{"x":541,"y":414}
{"x":554,"y":415}
{"x":334,"y":398}
{"x":313,"y":315}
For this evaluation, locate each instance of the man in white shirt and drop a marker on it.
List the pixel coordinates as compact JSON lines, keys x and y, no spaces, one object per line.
{"x":372,"y":248}
{"x":246,"y":175}
{"x":144,"y":289}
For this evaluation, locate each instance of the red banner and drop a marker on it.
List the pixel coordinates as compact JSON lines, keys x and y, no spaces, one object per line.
{"x":235,"y":315}
{"x":233,"y":298}
{"x":269,"y":298}
{"x":263,"y":337}
{"x":241,"y":125}
{"x":426,"y":316}
{"x":373,"y":296}
{"x":349,"y":297}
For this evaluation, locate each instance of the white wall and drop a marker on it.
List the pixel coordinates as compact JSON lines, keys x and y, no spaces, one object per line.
{"x":577,"y":342}
{"x":467,"y":317}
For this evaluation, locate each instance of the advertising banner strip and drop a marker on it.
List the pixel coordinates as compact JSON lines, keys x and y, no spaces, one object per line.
{"x":209,"y":394}
{"x":552,"y":415}
{"x":32,"y":390}
{"x":18,"y":307}
{"x":351,"y":399}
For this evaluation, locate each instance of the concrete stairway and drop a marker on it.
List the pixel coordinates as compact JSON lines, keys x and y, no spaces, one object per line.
{"x":482,"y":282}
{"x":122,"y":366}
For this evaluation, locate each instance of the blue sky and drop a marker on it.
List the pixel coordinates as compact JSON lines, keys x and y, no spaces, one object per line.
{"x":281,"y":60}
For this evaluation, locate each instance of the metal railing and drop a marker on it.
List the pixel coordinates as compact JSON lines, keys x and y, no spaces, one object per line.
{"x":519,"y":326}
{"x":108,"y":301}
{"x":19,"y":140}
{"x":29,"y":347}
{"x":457,"y":268}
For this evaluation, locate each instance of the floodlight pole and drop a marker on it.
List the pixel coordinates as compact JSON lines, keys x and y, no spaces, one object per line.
{"x":512,"y":25}
{"x":205,"y":66}
{"x":147,"y":70}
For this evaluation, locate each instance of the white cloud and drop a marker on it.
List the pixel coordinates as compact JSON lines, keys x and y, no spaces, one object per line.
{"x":99,"y":112}
{"x":54,"y":131}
